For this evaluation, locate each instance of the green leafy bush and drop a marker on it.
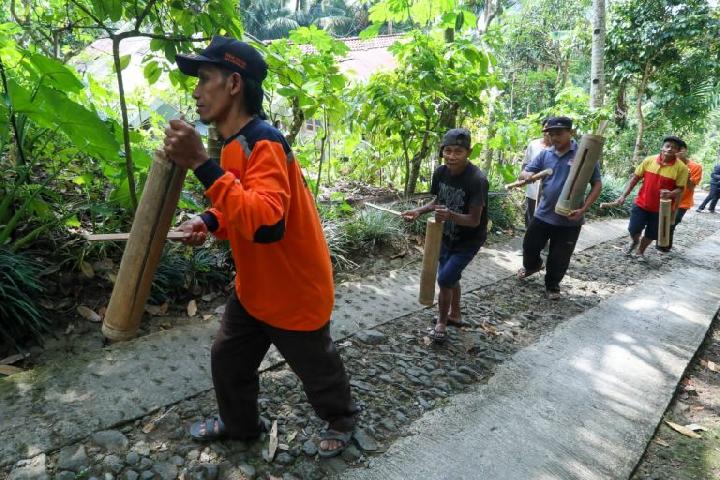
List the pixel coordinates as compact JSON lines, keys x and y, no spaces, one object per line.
{"x":613,"y":187}
{"x":185,"y":271}
{"x":372,"y":227}
{"x":502,"y":212}
{"x":338,"y":243}
{"x":20,"y":288}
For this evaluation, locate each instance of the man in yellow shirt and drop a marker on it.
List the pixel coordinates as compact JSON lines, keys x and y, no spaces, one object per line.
{"x":662,"y":176}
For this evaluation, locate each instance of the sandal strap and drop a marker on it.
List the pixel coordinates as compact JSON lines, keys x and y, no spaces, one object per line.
{"x":335,"y":435}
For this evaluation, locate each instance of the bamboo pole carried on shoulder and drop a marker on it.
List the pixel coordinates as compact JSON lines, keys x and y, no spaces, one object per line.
{"x":586,"y":158}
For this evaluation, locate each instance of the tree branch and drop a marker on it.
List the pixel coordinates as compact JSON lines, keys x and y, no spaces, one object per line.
{"x":144,"y":14}
{"x":89,"y":14}
{"x":13,"y":119}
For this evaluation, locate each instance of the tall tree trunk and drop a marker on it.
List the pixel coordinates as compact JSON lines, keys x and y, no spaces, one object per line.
{"x":323,"y":143}
{"x":129,"y":165}
{"x":490,"y":133}
{"x":491,"y":10}
{"x":597,"y":64}
{"x":639,"y":110}
{"x":621,"y":106}
{"x":415,"y":165}
{"x":417,"y":160}
{"x":297,"y":122}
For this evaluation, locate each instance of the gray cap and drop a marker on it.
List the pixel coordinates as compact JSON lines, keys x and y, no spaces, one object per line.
{"x":456,"y":136}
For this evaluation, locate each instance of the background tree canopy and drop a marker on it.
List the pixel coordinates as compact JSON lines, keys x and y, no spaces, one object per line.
{"x":88,"y":86}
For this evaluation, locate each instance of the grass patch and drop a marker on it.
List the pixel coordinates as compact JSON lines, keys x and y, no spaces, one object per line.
{"x":20,"y":288}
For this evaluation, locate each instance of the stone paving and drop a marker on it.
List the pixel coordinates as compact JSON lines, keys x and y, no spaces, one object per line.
{"x":96,"y":390}
{"x":396,"y":377}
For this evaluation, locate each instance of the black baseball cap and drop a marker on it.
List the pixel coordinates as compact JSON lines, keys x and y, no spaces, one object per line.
{"x":227,"y":52}
{"x":558,"y":123}
{"x":456,"y":136}
{"x":675,"y":139}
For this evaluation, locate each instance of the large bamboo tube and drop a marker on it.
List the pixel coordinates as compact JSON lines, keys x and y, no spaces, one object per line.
{"x":665,"y":221}
{"x":144,"y":248}
{"x":431,"y":256}
{"x":587,"y":156}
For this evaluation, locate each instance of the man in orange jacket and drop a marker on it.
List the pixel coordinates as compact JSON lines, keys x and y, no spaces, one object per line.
{"x":283,"y":286}
{"x":695,"y":173}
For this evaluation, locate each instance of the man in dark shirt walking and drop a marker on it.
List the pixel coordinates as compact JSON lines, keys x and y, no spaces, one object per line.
{"x":714,"y":195}
{"x":562,"y":232}
{"x":461,"y":198}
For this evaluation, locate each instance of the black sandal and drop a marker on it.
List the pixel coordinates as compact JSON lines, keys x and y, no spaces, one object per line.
{"x":437,"y":337}
{"x":342,"y":437}
{"x":211,"y":433}
{"x":522,"y":273}
{"x":451,"y":323}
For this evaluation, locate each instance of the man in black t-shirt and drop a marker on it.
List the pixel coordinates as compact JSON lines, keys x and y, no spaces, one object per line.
{"x":461,"y":198}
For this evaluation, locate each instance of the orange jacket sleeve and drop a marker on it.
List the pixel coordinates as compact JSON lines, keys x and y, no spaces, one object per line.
{"x":254,"y":206}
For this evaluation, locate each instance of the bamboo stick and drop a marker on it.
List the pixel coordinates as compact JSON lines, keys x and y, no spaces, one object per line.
{"x":518,"y":183}
{"x":664,"y":222}
{"x":431,"y":256}
{"x":143,"y":250}
{"x":383,"y":209}
{"x":102,"y":237}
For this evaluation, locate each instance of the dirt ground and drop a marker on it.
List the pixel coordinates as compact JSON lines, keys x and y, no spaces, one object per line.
{"x":672,"y":455}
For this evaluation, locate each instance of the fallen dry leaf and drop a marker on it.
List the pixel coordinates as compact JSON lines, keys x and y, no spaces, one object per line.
{"x":150,"y":426}
{"x":14,"y":358}
{"x":661,"y":442}
{"x":87,"y":269}
{"x":696,"y":428}
{"x":47,"y":304}
{"x":220,"y":310}
{"x":157,"y":310}
{"x":684,"y":430}
{"x":9,"y":370}
{"x":191,"y":308}
{"x":291,"y":436}
{"x":69,"y":328}
{"x":490,"y":329}
{"x":209,"y":296}
{"x":427,"y":341}
{"x":207,"y":317}
{"x":88,"y":314}
{"x":273,"y":442}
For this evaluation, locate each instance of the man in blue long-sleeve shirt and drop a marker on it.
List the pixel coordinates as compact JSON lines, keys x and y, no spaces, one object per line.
{"x":714,"y":194}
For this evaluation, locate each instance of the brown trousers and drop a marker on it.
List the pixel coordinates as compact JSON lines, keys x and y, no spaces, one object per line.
{"x":239,"y":348}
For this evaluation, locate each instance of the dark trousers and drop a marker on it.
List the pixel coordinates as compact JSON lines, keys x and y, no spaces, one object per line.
{"x":562,"y":245}
{"x":239,"y":347}
{"x":529,"y":210}
{"x":712,"y":198}
{"x":678,"y":218}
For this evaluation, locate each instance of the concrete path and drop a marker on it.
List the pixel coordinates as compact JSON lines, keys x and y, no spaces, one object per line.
{"x":580,"y":404}
{"x":95,"y":391}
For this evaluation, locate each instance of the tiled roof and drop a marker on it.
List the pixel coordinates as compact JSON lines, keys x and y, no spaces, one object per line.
{"x":356,"y":44}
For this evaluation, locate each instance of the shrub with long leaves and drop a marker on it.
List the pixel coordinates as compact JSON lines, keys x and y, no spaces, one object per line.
{"x":20,"y":288}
